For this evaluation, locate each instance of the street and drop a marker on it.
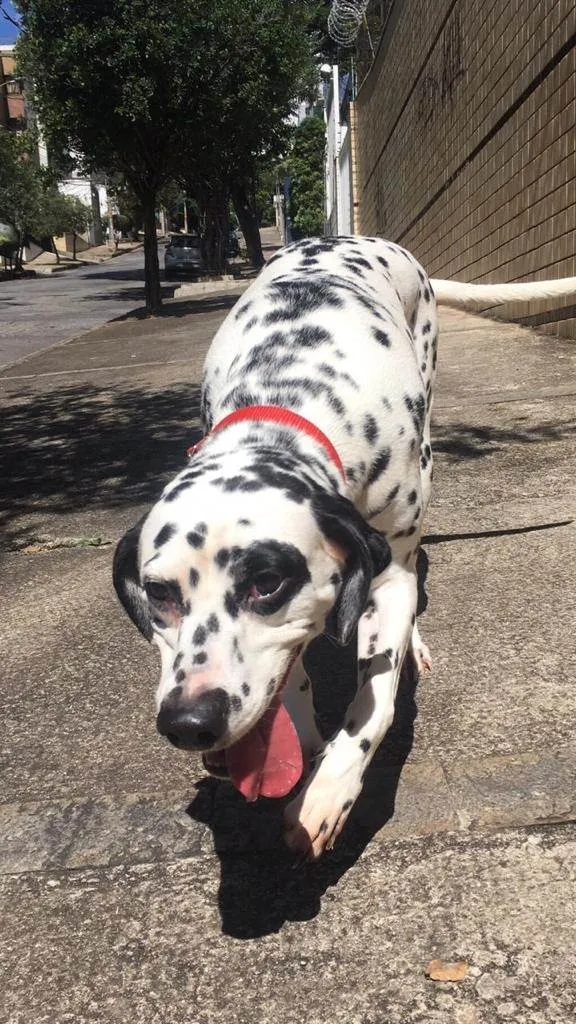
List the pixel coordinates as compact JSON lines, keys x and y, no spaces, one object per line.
{"x":37,"y":312}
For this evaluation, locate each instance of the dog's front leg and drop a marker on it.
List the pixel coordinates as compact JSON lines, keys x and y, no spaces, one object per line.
{"x":317,"y":815}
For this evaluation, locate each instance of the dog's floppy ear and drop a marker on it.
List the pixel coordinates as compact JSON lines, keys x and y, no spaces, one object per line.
{"x":367,"y":555}
{"x":126,"y":578}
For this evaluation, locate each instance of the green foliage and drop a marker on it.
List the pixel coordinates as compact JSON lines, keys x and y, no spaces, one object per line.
{"x":143,"y":85}
{"x":60,"y":214}
{"x":163,"y":90}
{"x":305,"y":166}
{"x":29,"y":198}
{"x":20,"y":183}
{"x":264,"y":192}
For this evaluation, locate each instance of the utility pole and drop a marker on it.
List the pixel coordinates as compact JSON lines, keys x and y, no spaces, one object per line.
{"x":337,"y":143}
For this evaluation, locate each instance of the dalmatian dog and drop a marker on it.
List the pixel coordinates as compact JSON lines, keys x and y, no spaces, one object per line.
{"x":299,"y":512}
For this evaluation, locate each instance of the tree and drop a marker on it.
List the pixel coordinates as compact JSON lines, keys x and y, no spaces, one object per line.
{"x":21,"y":189}
{"x":73,"y":216}
{"x":164,"y":90}
{"x":305,"y":166}
{"x":29,"y":198}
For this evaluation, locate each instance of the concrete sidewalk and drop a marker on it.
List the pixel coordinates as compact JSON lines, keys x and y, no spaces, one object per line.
{"x":48,"y":263}
{"x":135,"y":890}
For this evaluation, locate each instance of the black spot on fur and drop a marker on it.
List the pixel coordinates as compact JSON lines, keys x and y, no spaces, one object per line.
{"x":195,"y":540}
{"x":193,"y":577}
{"x":242,"y":309}
{"x":293,"y":299}
{"x":231,"y":604}
{"x":212,"y":624}
{"x":180,"y":676}
{"x":381,"y":337}
{"x":235,"y":703}
{"x":379,"y":465}
{"x":245,"y":689}
{"x":370,"y":428}
{"x":200,"y":658}
{"x":365,"y":746}
{"x":200,"y":636}
{"x":182,"y":486}
{"x":222,"y":557}
{"x":164,"y":535}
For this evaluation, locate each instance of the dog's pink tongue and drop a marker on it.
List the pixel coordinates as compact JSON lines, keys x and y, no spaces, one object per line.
{"x":268,"y":760}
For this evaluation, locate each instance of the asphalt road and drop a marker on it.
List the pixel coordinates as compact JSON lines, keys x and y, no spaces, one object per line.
{"x":37,"y":312}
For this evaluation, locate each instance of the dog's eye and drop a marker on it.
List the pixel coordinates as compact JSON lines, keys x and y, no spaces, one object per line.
{"x":265,"y":584}
{"x":158,"y":593}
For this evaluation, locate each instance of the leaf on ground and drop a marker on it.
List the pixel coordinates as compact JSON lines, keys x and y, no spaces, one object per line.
{"x":439,"y":970}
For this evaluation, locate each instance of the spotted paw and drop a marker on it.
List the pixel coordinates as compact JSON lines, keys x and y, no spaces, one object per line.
{"x":314,"y":819}
{"x":420,"y":652}
{"x":422,"y":657}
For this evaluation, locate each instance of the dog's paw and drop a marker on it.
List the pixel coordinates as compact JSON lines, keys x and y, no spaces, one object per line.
{"x":421,"y":652}
{"x":423,"y":658}
{"x":315,"y":818}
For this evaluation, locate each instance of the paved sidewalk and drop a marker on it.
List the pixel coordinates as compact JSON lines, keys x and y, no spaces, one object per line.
{"x":134,"y":890}
{"x":47,"y":263}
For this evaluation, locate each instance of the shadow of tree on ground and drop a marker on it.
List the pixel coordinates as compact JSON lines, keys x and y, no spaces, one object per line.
{"x":464,"y":441}
{"x":83,"y":446}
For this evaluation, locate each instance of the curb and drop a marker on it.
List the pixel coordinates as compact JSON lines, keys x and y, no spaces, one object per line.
{"x":417,"y":800}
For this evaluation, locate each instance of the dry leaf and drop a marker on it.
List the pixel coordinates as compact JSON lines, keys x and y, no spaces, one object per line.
{"x":438,"y":970}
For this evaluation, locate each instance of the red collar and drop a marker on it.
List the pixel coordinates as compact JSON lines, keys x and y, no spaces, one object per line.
{"x":275,"y":414}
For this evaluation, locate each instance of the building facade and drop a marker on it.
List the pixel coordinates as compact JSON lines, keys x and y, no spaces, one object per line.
{"x":12,"y":103}
{"x":466,"y":143}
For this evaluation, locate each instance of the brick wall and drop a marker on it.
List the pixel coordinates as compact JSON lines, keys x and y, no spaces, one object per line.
{"x":466,"y":143}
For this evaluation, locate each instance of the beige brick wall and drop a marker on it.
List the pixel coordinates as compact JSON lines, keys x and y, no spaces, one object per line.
{"x":466,"y":143}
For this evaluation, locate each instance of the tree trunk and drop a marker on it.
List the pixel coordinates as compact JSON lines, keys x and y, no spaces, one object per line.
{"x":216,"y":227}
{"x":74,"y":245}
{"x":246,"y":214}
{"x":151,"y":265}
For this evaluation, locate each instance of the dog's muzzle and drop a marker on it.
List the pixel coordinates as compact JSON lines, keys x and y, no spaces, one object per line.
{"x":194,"y":725}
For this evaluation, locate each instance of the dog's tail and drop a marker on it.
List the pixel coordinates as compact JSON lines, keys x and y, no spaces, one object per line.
{"x":470,"y":296}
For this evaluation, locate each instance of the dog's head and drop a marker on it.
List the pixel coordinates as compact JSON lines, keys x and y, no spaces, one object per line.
{"x":230,"y":585}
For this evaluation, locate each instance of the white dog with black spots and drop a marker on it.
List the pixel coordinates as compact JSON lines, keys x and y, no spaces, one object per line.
{"x":300,"y":512}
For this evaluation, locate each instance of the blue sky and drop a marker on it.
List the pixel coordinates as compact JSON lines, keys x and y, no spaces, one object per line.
{"x":7,"y":31}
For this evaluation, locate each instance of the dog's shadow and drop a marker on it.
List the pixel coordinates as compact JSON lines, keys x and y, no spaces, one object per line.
{"x":262,"y":885}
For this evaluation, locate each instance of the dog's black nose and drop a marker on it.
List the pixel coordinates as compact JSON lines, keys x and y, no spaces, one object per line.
{"x":196,"y":724}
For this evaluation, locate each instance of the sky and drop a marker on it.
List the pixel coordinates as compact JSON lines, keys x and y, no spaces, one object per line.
{"x":7,"y":31}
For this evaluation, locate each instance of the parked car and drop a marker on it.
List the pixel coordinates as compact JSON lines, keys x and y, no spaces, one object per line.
{"x":183,"y":255}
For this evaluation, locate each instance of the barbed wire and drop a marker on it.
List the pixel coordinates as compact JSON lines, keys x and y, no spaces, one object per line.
{"x":345,"y":19}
